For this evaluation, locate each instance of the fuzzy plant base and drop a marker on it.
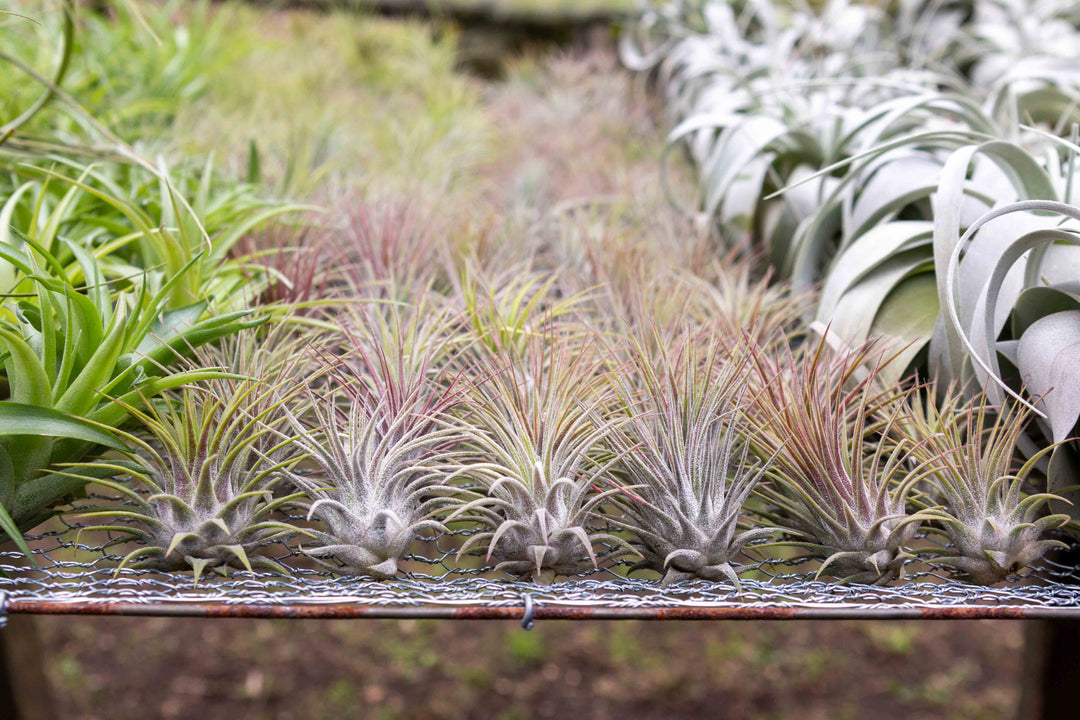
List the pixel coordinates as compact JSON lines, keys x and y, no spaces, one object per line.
{"x":877,"y":557}
{"x":704,"y":560}
{"x":682,"y":565}
{"x":543,"y":532}
{"x":525,"y":554}
{"x":211,"y":547}
{"x":988,"y":554}
{"x":369,"y":544}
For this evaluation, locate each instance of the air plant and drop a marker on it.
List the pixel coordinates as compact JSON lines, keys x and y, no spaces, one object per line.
{"x":740,"y":302}
{"x":685,"y":452}
{"x":976,"y":491}
{"x":378,"y":436}
{"x":386,"y":251}
{"x":504,"y":311}
{"x":534,"y":450}
{"x":841,"y":476}
{"x":295,"y":264}
{"x":201,"y":490}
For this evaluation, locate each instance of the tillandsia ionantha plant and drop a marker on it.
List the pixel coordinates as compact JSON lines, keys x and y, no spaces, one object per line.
{"x":684,"y":449}
{"x":202,"y":477}
{"x":841,"y":474}
{"x":378,"y":442}
{"x":975,"y":487}
{"x":534,"y":433}
{"x":503,"y":311}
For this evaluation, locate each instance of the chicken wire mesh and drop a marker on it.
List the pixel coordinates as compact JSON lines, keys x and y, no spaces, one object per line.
{"x":77,"y":573}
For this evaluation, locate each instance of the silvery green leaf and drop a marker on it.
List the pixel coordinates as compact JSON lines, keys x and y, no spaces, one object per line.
{"x":898,"y":182}
{"x":1038,"y":302}
{"x":906,"y":320}
{"x":856,"y":310}
{"x":1048,"y":354}
{"x":1029,"y":179}
{"x":865,"y":254}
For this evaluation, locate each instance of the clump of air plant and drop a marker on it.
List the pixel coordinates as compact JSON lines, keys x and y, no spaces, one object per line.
{"x":841,"y":477}
{"x":504,"y":311}
{"x":202,"y":477}
{"x":992,"y":526}
{"x":534,"y":449}
{"x":741,"y":301}
{"x":295,"y":264}
{"x":387,"y":251}
{"x":376,"y":443}
{"x":640,"y":293}
{"x":685,"y":453}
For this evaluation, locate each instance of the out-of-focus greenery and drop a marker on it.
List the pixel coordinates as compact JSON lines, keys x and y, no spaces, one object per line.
{"x":547,"y":6}
{"x":339,"y":98}
{"x":132,"y":66}
{"x":320,"y":97}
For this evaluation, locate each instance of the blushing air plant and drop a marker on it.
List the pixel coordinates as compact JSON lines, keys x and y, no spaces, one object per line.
{"x":378,"y":442}
{"x":202,"y":477}
{"x":534,"y":435}
{"x":841,"y":475}
{"x":744,"y":303}
{"x":295,"y":263}
{"x":975,"y":484}
{"x":685,"y":453}
{"x":386,"y":251}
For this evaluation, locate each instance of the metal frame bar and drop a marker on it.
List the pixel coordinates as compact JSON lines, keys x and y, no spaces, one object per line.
{"x":545,"y":611}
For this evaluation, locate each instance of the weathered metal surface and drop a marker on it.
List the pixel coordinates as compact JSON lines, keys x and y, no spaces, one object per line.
{"x":340,"y":611}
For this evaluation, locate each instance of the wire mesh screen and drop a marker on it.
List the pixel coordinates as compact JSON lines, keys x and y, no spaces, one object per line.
{"x":77,"y":572}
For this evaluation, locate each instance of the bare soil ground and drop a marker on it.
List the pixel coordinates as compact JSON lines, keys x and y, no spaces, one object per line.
{"x":130,"y":668}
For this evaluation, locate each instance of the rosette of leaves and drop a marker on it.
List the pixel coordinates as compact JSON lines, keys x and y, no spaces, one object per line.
{"x":841,"y":474}
{"x":685,"y":457}
{"x":975,"y":473}
{"x":534,"y":451}
{"x":201,"y":490}
{"x":72,"y":342}
{"x":503,"y":310}
{"x":377,"y":443}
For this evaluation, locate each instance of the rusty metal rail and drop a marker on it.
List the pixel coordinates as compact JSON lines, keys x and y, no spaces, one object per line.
{"x":353,"y":611}
{"x":311,"y":594}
